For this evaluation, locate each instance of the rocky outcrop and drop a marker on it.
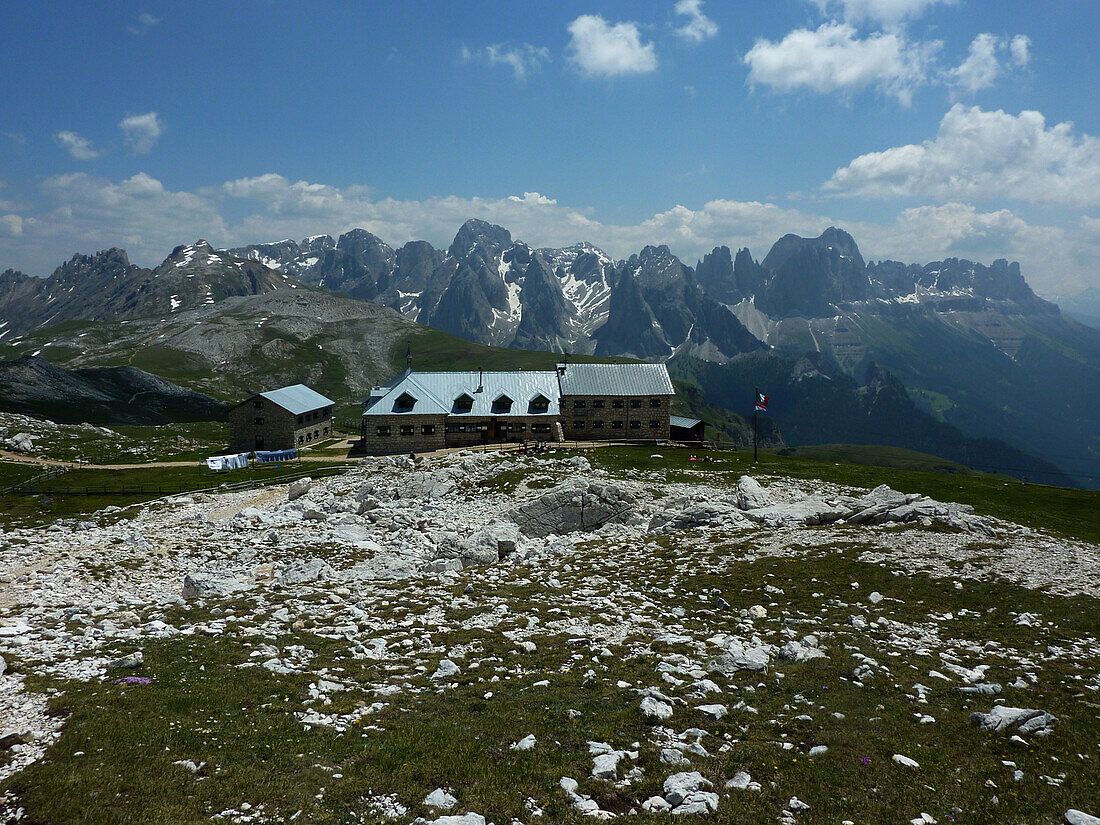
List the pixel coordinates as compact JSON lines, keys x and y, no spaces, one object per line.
{"x":576,"y":505}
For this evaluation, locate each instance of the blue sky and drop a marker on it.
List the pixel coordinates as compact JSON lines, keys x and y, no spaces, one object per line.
{"x":927,"y":128}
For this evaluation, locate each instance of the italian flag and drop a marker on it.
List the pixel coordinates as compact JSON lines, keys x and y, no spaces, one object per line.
{"x":761,"y":401}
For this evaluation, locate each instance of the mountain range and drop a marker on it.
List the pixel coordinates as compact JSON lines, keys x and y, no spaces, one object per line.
{"x":971,"y":346}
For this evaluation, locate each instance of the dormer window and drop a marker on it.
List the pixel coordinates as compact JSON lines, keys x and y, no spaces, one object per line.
{"x":540,"y":403}
{"x":502,"y":404}
{"x":404,"y":402}
{"x":464,"y":403}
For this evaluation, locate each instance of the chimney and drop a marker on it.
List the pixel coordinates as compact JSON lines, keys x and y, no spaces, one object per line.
{"x":480,"y":380}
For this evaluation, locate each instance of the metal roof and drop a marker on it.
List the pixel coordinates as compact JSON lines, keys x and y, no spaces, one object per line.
{"x":614,"y":379}
{"x":436,"y":392}
{"x":297,"y":399}
{"x":686,"y":423}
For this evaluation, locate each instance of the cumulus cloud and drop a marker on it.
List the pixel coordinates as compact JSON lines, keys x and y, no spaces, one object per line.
{"x":142,"y":23}
{"x":522,"y":59}
{"x":982,"y":65}
{"x":141,"y":132}
{"x":599,"y":49}
{"x":78,"y":147}
{"x":1020,"y":48}
{"x":698,"y":27}
{"x":885,"y":12}
{"x":85,"y":213}
{"x":12,"y":224}
{"x":979,"y":154}
{"x":834,"y":58}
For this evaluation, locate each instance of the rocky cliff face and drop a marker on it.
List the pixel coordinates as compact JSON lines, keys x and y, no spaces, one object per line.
{"x":107,"y":287}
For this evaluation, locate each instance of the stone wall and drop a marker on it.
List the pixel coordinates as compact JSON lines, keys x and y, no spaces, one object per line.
{"x":594,"y":417}
{"x":402,"y":433}
{"x":280,"y":429}
{"x":274,"y":424}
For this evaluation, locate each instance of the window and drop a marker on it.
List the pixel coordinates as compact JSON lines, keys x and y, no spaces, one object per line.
{"x":464,"y":403}
{"x":654,"y":403}
{"x":382,"y":429}
{"x":502,"y":404}
{"x":540,"y":403}
{"x":540,"y":428}
{"x":427,"y":429}
{"x":635,"y":403}
{"x":309,"y":437}
{"x":578,"y":425}
{"x":404,"y":402}
{"x":598,"y":403}
{"x":258,"y":420}
{"x":617,"y":404}
{"x":616,"y":425}
{"x":258,"y":403}
{"x":654,"y":425}
{"x":634,"y":425}
{"x":407,"y":429}
{"x":301,"y":419}
{"x":300,"y":439}
{"x":316,"y":434}
{"x":325,"y":431}
{"x":597,"y":425}
{"x":259,"y":442}
{"x":578,"y":403}
{"x":519,"y":428}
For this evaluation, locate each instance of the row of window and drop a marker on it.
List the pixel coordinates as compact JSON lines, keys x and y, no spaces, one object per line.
{"x":315,"y":415}
{"x":429,"y":429}
{"x":616,"y":404}
{"x":308,"y":437}
{"x":578,"y":424}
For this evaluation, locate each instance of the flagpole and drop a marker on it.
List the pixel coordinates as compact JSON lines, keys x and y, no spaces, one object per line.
{"x":757,"y":395}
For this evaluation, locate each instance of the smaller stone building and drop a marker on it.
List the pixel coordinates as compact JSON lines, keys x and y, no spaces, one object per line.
{"x":282,"y":419}
{"x":687,"y":429}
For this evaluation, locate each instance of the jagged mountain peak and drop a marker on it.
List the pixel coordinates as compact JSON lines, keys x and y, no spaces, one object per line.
{"x":832,"y":240}
{"x":476,"y":232}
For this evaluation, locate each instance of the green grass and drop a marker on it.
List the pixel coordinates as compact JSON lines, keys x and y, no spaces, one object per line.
{"x":201,"y":706}
{"x":875,"y":455}
{"x":435,"y":350}
{"x":12,"y":472}
{"x":100,"y":488}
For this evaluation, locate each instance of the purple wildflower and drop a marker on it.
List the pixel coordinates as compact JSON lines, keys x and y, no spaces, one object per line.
{"x":133,"y":680}
{"x":866,"y":760}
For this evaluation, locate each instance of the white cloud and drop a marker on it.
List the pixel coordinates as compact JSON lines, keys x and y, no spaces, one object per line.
{"x":142,"y":24}
{"x":1020,"y":47}
{"x":12,"y":224}
{"x":522,"y":59}
{"x":85,"y":213}
{"x":982,"y":66}
{"x":983,"y":155}
{"x":79,"y":148}
{"x":599,"y":49}
{"x":141,"y":131}
{"x":698,"y":27}
{"x":885,"y":12}
{"x":833,"y":58}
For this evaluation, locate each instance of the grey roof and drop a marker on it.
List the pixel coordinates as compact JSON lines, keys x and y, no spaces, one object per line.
{"x":436,"y":392}
{"x":297,"y":399}
{"x":615,"y":379}
{"x":686,"y":423}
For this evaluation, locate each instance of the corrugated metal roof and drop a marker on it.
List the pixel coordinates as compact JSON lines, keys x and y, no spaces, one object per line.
{"x":436,"y":393}
{"x":615,"y":379}
{"x":686,"y":423}
{"x":297,"y":399}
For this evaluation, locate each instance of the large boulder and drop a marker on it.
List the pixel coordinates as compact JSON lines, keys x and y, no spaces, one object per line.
{"x":491,"y":543}
{"x":301,"y":572}
{"x":750,"y":495}
{"x":1026,"y":720}
{"x":299,"y":488}
{"x":211,"y":585}
{"x":576,"y":505}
